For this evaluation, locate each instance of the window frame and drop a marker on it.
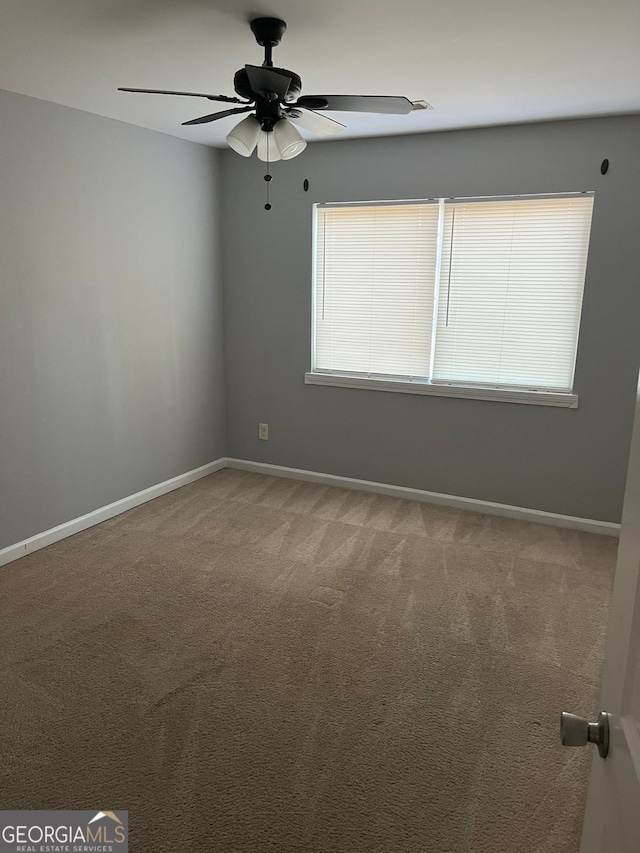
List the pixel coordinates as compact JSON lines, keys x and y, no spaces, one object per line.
{"x":427,"y":386}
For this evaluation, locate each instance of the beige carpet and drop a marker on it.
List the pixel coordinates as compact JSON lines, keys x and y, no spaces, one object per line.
{"x":256,"y":664}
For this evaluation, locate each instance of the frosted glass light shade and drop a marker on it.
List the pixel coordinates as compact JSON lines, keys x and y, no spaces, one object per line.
{"x":288,"y":140}
{"x":267,"y":140}
{"x":244,"y":136}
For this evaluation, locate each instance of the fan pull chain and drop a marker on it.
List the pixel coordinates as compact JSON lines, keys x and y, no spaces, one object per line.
{"x":267,"y":177}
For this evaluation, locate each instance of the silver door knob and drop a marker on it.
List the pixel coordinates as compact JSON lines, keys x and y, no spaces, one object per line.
{"x":576,"y":731}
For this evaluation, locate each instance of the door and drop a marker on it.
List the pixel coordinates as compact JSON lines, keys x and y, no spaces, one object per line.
{"x":612,"y":818}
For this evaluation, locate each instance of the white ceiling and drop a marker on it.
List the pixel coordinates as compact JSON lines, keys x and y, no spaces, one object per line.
{"x":478,"y":62}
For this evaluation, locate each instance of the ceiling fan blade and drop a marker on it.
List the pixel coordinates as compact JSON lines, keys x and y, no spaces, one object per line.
{"x":215,"y":116}
{"x":263,"y":79}
{"x":314,"y":122}
{"x":226,"y":98}
{"x":357,"y":103}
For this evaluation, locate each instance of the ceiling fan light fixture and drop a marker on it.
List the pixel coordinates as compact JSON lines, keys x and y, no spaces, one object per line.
{"x":244,"y":136}
{"x":288,"y":140}
{"x":273,"y":97}
{"x":268,"y":151}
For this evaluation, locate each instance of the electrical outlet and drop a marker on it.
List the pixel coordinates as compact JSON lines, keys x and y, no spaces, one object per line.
{"x":263,"y":432}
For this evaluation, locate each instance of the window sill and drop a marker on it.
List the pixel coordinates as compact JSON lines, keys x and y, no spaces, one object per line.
{"x":467,"y":392}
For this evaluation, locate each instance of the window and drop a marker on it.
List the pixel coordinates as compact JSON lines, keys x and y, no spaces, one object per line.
{"x":464,"y":297}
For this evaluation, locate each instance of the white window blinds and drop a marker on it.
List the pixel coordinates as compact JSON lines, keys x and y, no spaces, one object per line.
{"x":511,"y":284}
{"x":471,"y":292}
{"x":375,"y":281}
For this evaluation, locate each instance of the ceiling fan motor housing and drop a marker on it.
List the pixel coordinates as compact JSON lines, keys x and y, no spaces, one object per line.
{"x":243,"y":87}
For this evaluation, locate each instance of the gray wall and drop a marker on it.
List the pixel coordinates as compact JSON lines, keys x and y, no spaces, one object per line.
{"x":111,"y":360}
{"x":566,"y":461}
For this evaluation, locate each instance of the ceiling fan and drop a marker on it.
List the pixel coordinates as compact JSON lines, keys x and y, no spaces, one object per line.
{"x":274,"y":98}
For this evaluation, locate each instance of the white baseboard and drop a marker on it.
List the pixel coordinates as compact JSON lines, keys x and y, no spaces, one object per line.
{"x":69,"y":528}
{"x":48,"y":537}
{"x":472,"y":504}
